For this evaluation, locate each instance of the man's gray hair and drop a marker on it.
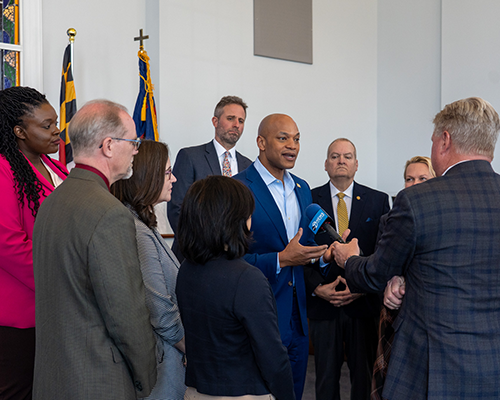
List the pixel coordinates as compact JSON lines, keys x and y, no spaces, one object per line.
{"x":342,"y":139}
{"x":95,"y":121}
{"x":473,"y":125}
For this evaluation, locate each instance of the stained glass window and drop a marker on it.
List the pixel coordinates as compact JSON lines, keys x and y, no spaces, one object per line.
{"x":10,"y":46}
{"x":10,"y":68}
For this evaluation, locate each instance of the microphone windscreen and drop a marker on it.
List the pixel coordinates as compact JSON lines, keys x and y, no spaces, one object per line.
{"x":311,"y":210}
{"x":317,"y":216}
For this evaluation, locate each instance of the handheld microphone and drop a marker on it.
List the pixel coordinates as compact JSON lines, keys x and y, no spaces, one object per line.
{"x":321,"y":221}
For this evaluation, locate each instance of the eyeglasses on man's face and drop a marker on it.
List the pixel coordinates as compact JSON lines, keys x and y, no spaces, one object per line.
{"x":135,"y":142}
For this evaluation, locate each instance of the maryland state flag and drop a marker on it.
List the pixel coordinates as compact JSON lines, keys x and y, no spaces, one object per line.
{"x":68,"y":106}
{"x":145,"y":109}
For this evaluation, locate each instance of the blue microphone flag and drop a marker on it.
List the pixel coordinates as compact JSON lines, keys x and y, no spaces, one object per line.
{"x":318,"y":220}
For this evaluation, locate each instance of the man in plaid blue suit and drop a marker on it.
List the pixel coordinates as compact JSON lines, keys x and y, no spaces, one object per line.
{"x":444,"y":237}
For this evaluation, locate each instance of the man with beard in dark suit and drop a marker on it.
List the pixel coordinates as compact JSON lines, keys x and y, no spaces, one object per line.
{"x":339,"y":319}
{"x":217,"y":157}
{"x":442,"y":236}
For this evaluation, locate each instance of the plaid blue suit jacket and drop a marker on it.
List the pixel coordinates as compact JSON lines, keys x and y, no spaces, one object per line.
{"x":444,"y":236}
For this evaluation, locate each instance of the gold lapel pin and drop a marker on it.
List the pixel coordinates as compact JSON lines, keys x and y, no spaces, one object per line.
{"x":298,"y":185}
{"x":358,"y":198}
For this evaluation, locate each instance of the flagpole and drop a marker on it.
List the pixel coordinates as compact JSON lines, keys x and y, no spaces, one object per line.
{"x":67,"y":99}
{"x":71,"y":32}
{"x":145,"y":118}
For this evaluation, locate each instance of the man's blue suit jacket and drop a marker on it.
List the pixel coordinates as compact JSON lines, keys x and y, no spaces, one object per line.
{"x":444,"y":236}
{"x":269,"y":238}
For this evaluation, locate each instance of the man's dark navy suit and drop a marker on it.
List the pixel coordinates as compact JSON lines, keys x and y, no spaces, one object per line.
{"x":192,"y":164}
{"x":368,"y":205}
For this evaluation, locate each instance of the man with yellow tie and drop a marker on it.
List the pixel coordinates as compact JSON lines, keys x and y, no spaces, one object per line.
{"x":339,"y":320}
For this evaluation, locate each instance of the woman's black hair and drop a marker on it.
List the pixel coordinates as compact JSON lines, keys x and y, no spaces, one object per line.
{"x":213,"y":220}
{"x":142,"y":190}
{"x":15,"y":104}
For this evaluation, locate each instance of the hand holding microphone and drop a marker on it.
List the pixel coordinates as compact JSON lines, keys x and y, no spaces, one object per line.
{"x":321,"y":221}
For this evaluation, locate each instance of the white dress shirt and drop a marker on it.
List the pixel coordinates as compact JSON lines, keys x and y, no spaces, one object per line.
{"x":285,"y":198}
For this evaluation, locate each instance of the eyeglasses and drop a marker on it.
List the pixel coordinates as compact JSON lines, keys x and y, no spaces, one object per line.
{"x":168,"y":173}
{"x":135,"y":142}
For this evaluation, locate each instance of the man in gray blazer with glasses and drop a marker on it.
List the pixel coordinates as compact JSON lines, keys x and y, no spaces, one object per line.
{"x":93,"y":336}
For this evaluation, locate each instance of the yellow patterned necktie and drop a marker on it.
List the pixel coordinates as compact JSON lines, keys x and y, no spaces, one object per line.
{"x":342,"y":214}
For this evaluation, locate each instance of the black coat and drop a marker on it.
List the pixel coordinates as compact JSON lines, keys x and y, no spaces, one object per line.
{"x":368,"y":205}
{"x":233,"y":344}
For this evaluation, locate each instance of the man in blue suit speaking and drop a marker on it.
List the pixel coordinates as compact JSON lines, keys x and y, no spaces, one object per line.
{"x":283,"y":243}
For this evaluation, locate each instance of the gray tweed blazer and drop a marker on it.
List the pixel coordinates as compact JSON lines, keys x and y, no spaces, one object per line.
{"x":93,"y":336}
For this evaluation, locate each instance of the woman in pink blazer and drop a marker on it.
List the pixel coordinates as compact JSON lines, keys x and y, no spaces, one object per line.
{"x":28,"y":131}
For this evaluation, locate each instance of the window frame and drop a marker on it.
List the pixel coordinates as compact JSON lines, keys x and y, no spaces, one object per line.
{"x":31,"y":44}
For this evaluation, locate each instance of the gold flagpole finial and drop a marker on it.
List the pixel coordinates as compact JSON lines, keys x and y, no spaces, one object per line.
{"x":71,"y":32}
{"x":141,"y":38}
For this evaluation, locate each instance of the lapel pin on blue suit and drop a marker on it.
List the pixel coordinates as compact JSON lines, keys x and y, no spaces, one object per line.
{"x":358,"y":198}
{"x":298,"y":185}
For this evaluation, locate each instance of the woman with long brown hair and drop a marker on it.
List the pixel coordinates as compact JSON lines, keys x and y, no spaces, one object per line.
{"x":150,"y":184}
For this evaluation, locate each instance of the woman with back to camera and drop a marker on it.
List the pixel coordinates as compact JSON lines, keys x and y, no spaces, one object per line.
{"x":150,"y":184}
{"x":227,"y":306}
{"x":418,"y":169}
{"x":28,"y":132}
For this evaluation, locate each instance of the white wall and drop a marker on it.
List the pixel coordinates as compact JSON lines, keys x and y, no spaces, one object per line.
{"x":471,"y":60}
{"x":206,"y":52}
{"x":202,"y":50}
{"x":409,"y":73}
{"x":105,"y":54}
{"x":430,"y":53}
{"x":378,"y":72}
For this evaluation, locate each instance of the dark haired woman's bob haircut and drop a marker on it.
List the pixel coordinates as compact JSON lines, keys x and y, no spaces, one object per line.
{"x":213,"y":220}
